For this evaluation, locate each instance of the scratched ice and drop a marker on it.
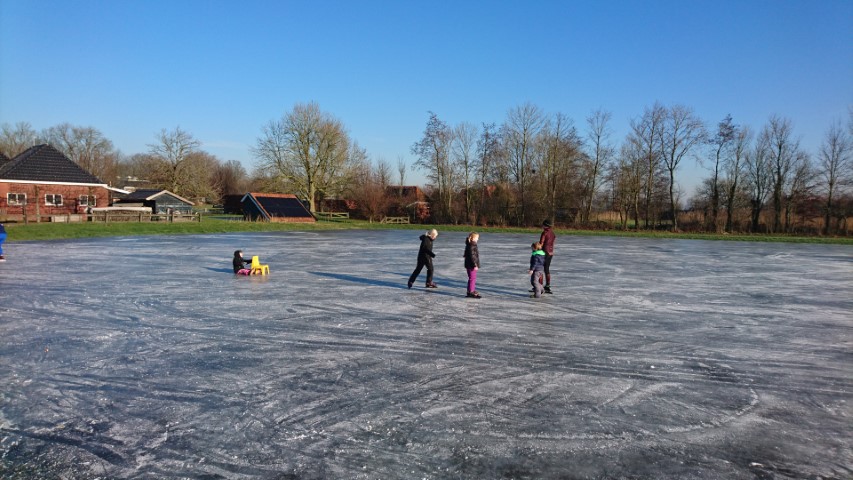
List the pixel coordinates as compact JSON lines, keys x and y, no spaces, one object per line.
{"x":146,"y":357}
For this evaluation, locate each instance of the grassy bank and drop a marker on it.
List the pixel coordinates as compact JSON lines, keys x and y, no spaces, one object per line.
{"x":61,"y":231}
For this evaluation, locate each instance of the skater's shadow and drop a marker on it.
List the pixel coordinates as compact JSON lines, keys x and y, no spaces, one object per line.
{"x":362,"y":280}
{"x":220,"y":270}
{"x":463,"y":284}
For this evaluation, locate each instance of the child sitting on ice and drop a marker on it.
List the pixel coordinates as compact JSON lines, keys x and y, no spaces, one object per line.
{"x":239,"y":263}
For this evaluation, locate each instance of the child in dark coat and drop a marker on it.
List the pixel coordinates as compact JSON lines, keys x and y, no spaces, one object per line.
{"x":472,"y":263}
{"x":537,"y":269}
{"x":239,"y":263}
{"x":425,"y":257}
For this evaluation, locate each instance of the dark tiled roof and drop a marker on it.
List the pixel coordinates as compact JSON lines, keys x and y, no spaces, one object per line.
{"x":153,"y":194}
{"x":43,"y":163}
{"x":280,"y":205}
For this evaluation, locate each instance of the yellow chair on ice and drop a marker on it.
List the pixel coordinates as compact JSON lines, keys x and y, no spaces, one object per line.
{"x":257,"y":268}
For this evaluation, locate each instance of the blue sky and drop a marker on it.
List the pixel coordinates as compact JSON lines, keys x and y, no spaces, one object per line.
{"x":221,"y":70}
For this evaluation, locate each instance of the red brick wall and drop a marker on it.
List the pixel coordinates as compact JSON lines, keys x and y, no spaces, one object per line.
{"x":36,"y":198}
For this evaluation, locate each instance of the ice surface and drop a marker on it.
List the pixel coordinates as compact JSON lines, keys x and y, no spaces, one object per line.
{"x":146,"y":357}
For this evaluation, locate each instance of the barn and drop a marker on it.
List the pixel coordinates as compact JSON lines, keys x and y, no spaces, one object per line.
{"x":275,"y":207}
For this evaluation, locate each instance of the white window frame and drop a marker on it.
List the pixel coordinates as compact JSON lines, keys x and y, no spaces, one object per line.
{"x":17,"y":199}
{"x":53,"y":197}
{"x":84,"y":200}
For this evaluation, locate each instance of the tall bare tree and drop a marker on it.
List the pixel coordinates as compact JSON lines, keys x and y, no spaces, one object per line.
{"x":681,"y":133}
{"x":173,"y":168}
{"x":734,"y":170}
{"x":646,"y":132}
{"x":561,"y":152}
{"x":464,"y":153}
{"x":720,"y":152}
{"x":433,"y":154}
{"x":783,"y":152}
{"x":601,"y":152}
{"x":523,"y":124}
{"x":759,"y":178}
{"x":309,"y":148}
{"x":835,"y":166}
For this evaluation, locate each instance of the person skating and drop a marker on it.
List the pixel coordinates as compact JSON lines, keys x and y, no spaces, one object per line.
{"x":537,"y":268}
{"x":2,"y":239}
{"x":472,"y":263}
{"x":425,"y":256}
{"x":547,"y":240}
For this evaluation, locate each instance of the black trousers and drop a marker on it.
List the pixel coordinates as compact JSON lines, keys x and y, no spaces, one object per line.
{"x":421,"y":264}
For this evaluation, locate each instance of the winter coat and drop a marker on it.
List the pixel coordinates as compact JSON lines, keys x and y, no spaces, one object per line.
{"x":238,"y":263}
{"x":537,"y":261}
{"x":547,"y":240}
{"x":425,"y":252}
{"x":472,"y":255}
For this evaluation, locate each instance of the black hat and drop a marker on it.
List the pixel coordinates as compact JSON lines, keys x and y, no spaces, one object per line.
{"x":546,"y":223}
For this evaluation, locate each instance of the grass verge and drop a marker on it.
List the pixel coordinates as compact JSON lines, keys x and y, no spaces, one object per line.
{"x":64,"y":231}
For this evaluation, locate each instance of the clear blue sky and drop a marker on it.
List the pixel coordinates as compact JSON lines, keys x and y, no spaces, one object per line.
{"x":222,"y":69}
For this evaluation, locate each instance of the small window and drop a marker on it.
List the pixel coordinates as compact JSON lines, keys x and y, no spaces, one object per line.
{"x":54,"y":199}
{"x":87,"y":200}
{"x":16,"y":198}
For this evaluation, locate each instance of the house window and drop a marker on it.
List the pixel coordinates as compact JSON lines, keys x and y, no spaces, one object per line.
{"x":54,"y":199}
{"x":16,"y":199}
{"x":87,"y":200}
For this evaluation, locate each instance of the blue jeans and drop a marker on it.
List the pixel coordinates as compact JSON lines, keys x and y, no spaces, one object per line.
{"x":2,"y":239}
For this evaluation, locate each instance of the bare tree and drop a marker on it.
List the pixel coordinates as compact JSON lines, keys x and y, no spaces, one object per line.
{"x":15,"y":139}
{"x":759,"y":178}
{"x":646,"y":132}
{"x":493,"y":175}
{"x":371,"y":196}
{"x":720,"y":153}
{"x":433,"y":153}
{"x":401,"y":171}
{"x":172,"y":167}
{"x":463,"y":150}
{"x":628,"y":181}
{"x":681,"y":132}
{"x":561,"y":151}
{"x":734,"y":170}
{"x":308,"y":148}
{"x":522,"y":126}
{"x":800,"y":187}
{"x":86,"y":146}
{"x":230,"y":178}
{"x":783,"y":151}
{"x":835,"y":166}
{"x":600,"y":154}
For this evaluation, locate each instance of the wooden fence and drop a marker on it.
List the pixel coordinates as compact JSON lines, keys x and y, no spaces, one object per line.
{"x":331,"y":215}
{"x":394,"y":220}
{"x":107,"y":217}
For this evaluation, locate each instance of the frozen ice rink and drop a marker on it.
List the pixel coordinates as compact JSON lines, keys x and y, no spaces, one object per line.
{"x":146,"y":357}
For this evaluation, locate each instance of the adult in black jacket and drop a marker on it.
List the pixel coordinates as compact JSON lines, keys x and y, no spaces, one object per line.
{"x":425,"y":257}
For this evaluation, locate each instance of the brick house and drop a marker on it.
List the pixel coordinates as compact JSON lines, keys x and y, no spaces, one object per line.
{"x":42,"y":182}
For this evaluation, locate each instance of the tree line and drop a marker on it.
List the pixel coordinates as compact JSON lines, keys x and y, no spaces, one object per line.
{"x":530,"y":167}
{"x":535,"y":166}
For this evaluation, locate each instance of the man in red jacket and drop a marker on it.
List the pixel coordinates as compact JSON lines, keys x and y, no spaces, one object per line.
{"x":547,"y":240}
